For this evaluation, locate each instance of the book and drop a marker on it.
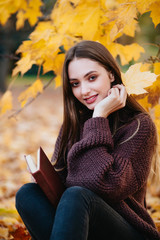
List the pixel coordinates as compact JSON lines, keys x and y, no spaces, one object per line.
{"x":45,"y":176}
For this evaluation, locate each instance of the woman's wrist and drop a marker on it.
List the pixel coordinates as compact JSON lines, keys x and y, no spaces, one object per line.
{"x":99,"y":114}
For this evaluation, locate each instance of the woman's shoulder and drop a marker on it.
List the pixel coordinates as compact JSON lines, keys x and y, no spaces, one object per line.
{"x":140,"y":126}
{"x":140,"y":119}
{"x":145,"y":121}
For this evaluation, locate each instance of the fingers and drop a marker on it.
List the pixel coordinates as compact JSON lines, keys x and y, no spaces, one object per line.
{"x":121,"y":87}
{"x":120,"y":94}
{"x":114,"y":91}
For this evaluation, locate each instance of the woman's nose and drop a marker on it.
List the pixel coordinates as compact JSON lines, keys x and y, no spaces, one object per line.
{"x":85,"y":89}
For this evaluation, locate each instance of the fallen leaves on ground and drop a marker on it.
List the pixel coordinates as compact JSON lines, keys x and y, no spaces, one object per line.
{"x":37,"y":125}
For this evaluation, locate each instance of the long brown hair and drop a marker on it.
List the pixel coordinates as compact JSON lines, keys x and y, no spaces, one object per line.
{"x":73,"y":108}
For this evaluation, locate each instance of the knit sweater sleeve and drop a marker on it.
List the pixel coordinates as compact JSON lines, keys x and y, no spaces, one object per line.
{"x":112,"y":171}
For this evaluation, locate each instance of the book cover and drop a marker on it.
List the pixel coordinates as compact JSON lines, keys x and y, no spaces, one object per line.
{"x":46,"y":176}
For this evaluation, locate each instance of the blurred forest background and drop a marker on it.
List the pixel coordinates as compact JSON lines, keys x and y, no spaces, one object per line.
{"x":22,"y":132}
{"x":10,"y":40}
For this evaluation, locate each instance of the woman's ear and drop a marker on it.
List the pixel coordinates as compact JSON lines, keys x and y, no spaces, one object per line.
{"x":111,"y":76}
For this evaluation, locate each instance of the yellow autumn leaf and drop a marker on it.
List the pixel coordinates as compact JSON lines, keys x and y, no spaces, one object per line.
{"x":154,"y":92}
{"x":109,"y":4}
{"x":25,"y":9}
{"x":136,"y":81}
{"x":58,"y":81}
{"x":23,"y":65}
{"x":157,"y":111}
{"x":53,"y":61}
{"x":81,"y":18}
{"x":123,"y":24}
{"x":6,"y":9}
{"x":33,"y":11}
{"x":145,"y":67}
{"x":54,"y":64}
{"x":6,"y":102}
{"x":43,"y":30}
{"x":4,"y":232}
{"x":24,"y":47}
{"x":37,"y":50}
{"x":20,"y":19}
{"x":91,"y":20}
{"x":59,"y":16}
{"x":42,"y":52}
{"x":144,"y":103}
{"x":157,"y":68}
{"x":144,"y":5}
{"x":31,"y":92}
{"x":9,"y":213}
{"x":127,"y":52}
{"x":11,"y":220}
{"x":4,"y":15}
{"x":48,"y":65}
{"x":155,"y":12}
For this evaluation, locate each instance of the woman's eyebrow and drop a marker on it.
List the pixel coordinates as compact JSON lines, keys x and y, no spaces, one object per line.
{"x":72,"y":79}
{"x":89,"y":73}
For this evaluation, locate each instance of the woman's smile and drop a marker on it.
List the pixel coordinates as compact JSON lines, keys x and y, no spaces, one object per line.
{"x":91,"y":99}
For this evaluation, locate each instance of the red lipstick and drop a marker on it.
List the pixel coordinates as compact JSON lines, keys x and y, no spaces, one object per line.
{"x":91,"y":99}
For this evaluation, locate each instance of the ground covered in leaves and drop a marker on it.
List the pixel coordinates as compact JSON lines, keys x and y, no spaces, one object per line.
{"x":37,"y":125}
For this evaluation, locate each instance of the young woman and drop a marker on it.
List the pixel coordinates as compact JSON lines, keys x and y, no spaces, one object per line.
{"x":103,"y":155}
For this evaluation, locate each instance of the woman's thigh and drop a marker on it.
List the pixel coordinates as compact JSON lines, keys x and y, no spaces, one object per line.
{"x":106,"y":222}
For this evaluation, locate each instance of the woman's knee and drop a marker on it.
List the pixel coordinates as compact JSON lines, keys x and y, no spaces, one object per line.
{"x":77,"y":193}
{"x":75,"y":190}
{"x":25,"y":192}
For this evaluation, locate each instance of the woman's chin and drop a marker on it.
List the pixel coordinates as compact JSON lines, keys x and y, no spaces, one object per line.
{"x":91,"y":107}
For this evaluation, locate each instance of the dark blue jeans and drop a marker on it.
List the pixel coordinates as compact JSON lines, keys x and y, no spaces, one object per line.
{"x":80,"y":215}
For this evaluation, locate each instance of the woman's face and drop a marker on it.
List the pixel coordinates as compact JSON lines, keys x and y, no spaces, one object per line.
{"x":90,"y":81}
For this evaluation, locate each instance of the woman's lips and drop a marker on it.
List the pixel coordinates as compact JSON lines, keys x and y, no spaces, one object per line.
{"x":91,"y":99}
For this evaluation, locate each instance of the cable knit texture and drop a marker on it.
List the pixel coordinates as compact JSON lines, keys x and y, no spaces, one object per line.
{"x":114,"y":167}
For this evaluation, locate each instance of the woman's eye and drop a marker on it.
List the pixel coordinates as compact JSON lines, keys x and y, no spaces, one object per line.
{"x":74,"y":84}
{"x":92,"y":77}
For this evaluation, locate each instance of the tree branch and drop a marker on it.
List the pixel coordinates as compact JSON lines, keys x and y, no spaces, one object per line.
{"x":10,"y":56}
{"x":32,"y":100}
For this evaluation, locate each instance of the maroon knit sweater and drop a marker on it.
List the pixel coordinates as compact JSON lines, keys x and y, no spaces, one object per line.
{"x":114,"y":167}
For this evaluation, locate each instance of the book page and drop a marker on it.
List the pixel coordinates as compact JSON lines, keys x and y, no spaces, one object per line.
{"x":30,"y":163}
{"x":38,"y":159}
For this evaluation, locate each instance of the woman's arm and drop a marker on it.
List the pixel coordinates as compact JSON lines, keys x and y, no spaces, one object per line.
{"x":114,"y":172}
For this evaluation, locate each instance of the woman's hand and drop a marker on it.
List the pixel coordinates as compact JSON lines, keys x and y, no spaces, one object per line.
{"x":115,"y":100}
